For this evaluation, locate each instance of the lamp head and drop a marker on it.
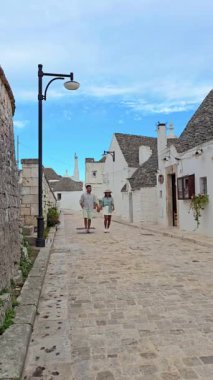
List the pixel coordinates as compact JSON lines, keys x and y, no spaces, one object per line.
{"x":71,"y":85}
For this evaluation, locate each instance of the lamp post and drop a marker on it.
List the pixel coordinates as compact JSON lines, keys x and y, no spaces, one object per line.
{"x":70,"y":85}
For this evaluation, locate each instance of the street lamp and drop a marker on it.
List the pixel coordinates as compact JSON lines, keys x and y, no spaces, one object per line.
{"x":70,"y":85}
{"x":112,"y":153}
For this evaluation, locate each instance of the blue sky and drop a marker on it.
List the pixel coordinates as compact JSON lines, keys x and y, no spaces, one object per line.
{"x":138,"y":62}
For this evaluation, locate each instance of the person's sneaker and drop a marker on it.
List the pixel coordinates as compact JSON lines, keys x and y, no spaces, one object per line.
{"x":105,"y":230}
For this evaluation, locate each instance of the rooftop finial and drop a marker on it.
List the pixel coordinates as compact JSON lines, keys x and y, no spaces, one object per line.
{"x":171,"y":131}
{"x":76,"y":171}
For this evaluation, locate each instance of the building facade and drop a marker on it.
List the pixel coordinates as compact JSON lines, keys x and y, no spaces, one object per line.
{"x":94,"y":175}
{"x":186,"y":170}
{"x":132,"y":176}
{"x":68,"y":193}
{"x":9,"y":190}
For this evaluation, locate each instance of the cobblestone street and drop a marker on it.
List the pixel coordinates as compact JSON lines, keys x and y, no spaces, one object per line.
{"x":126,"y":305}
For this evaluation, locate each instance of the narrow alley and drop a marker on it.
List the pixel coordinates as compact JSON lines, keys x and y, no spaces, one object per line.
{"x":125,"y":305}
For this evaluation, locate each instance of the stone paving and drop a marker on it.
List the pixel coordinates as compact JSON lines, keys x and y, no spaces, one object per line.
{"x":127,"y":305}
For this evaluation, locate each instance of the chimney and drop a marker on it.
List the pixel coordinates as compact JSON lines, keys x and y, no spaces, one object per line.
{"x":162,"y":139}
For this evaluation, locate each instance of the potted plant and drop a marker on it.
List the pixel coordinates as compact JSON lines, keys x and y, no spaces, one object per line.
{"x":52,"y":217}
{"x":198,"y":203}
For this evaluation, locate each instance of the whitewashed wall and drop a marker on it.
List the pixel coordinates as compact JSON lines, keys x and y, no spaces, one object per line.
{"x":171,"y":165}
{"x":95,"y":181}
{"x":202,"y":166}
{"x":125,"y":209}
{"x":161,"y":188}
{"x":115,"y":174}
{"x":69,"y":200}
{"x":148,"y":202}
{"x":144,"y":205}
{"x":188,"y":164}
{"x":161,"y":201}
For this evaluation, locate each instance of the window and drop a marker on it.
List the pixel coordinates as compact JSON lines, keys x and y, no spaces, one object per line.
{"x":186,"y":186}
{"x":59,"y":196}
{"x":203,"y":185}
{"x":94,"y":173}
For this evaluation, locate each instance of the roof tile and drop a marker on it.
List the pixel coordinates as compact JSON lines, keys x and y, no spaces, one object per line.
{"x":199,"y":128}
{"x":67,"y":184}
{"x":130,"y":144}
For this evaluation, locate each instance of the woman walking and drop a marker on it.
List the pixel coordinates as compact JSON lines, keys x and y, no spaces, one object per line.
{"x":107,"y":204}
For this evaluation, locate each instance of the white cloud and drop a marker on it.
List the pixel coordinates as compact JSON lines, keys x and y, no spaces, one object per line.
{"x":32,"y":96}
{"x":19,"y":124}
{"x":26,"y":95}
{"x":109,"y":91}
{"x":160,"y":52}
{"x":165,"y":107}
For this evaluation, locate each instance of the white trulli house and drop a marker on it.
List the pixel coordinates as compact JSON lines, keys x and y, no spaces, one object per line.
{"x":186,"y":170}
{"x":68,"y":193}
{"x":132,"y":176}
{"x":66,"y":190}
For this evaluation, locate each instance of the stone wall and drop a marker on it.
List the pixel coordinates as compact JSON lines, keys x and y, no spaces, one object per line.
{"x":9,"y":191}
{"x":29,"y":193}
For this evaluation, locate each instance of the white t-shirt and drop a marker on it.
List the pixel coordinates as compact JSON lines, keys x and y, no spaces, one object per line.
{"x":87,"y":201}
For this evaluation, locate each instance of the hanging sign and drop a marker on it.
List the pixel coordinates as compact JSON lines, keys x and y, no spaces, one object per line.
{"x":161,"y":179}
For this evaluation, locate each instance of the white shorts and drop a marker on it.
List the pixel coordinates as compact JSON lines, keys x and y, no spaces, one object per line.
{"x":87,"y":214}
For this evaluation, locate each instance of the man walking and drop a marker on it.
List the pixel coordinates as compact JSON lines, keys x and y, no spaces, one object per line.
{"x":88,"y":202}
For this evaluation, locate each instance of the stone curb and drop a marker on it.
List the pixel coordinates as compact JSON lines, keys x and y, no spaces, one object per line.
{"x":176,"y":235}
{"x":14,"y":342}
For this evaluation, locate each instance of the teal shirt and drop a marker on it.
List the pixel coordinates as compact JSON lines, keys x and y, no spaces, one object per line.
{"x":108,"y":201}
